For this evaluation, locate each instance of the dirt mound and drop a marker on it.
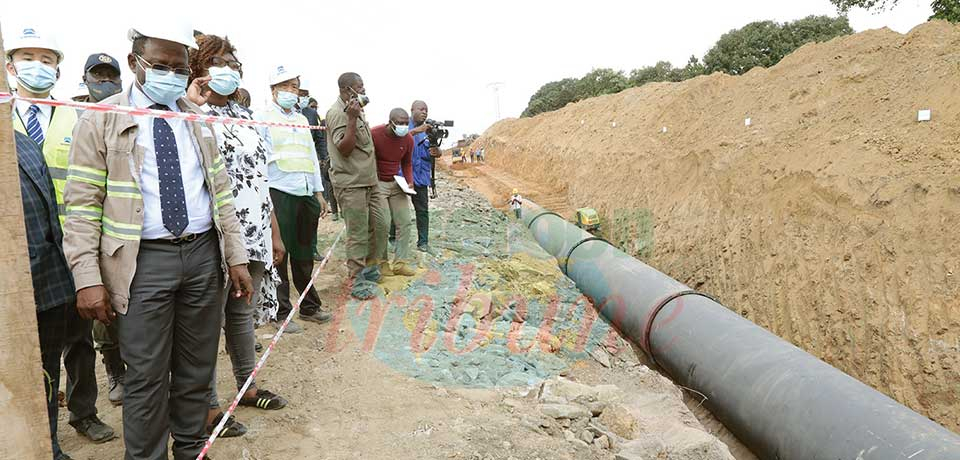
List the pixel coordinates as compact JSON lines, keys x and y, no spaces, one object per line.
{"x":829,"y":219}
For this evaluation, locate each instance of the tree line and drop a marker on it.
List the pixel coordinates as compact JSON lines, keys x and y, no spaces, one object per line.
{"x":762,"y":43}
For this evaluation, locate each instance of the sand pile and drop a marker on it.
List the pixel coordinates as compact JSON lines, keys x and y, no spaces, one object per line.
{"x":831,"y":219}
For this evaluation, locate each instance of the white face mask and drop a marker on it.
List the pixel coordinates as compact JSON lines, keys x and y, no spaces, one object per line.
{"x":36,"y":76}
{"x":401,"y":130}
{"x":286,"y":99}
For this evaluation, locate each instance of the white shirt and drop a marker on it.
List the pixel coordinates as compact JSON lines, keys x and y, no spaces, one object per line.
{"x":516,"y":201}
{"x":291,"y":183}
{"x":191,"y":170}
{"x":43,"y":115}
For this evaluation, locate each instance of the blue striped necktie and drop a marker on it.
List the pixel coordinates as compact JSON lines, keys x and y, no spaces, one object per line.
{"x":33,"y":125}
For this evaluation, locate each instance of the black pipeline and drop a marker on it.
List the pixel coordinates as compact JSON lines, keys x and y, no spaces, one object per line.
{"x":780,"y":401}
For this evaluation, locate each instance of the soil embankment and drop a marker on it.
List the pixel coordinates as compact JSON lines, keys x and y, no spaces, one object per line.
{"x":829,"y":218}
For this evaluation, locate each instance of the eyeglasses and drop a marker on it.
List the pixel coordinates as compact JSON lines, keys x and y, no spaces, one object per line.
{"x":217,"y":61}
{"x":164,"y":69}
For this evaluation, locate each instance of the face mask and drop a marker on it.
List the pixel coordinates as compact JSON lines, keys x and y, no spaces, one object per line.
{"x":164,"y":88}
{"x":286,"y":99}
{"x":102,"y":90}
{"x":224,"y":80}
{"x":36,"y":76}
{"x":304,"y":102}
{"x":401,"y":130}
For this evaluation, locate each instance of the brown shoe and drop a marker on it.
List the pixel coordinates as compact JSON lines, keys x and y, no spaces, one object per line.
{"x":385,"y":269}
{"x":403,"y":269}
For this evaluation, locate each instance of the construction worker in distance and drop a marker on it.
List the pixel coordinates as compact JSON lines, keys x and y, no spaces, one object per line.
{"x":516,"y":202}
{"x":296,"y":188}
{"x":34,"y":58}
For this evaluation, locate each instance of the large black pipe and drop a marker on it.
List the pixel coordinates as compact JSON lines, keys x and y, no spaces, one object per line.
{"x":780,"y":401}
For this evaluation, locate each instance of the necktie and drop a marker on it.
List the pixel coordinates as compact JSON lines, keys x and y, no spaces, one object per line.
{"x":33,"y":125}
{"x":173,"y":202}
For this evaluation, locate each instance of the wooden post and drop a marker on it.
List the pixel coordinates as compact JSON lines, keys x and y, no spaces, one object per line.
{"x":23,"y":408}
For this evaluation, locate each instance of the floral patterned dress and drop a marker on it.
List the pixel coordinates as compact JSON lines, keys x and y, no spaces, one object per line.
{"x":245,"y":158}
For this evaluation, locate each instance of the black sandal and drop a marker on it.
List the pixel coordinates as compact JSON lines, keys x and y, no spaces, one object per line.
{"x":231,"y":429}
{"x":265,"y":400}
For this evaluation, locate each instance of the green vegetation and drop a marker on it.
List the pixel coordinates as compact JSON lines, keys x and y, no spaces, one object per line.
{"x":942,"y":9}
{"x":762,"y":43}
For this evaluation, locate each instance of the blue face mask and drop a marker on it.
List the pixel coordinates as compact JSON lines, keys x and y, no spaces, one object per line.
{"x":163,"y":88}
{"x":36,"y":76}
{"x":286,"y":99}
{"x":224,"y":80}
{"x":401,"y":130}
{"x":304,"y":102}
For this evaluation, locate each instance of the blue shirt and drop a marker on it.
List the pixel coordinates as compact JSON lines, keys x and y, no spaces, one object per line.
{"x":421,"y":158}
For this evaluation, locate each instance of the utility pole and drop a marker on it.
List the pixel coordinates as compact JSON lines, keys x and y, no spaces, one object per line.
{"x":496,"y":95}
{"x":23,"y":407}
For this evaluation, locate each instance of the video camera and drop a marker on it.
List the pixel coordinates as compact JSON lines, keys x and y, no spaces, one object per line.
{"x":436,"y":134}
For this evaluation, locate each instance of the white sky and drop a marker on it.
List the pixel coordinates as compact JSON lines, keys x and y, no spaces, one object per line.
{"x":446,"y":53}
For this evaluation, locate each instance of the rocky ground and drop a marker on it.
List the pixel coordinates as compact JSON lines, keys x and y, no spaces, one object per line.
{"x":488,"y":352}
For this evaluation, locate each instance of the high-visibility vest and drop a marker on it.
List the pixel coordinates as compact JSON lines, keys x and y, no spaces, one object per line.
{"x":292,"y":148}
{"x":56,"y":149}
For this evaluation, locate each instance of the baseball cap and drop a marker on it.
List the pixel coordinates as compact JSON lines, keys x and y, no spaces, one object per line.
{"x":101,"y":59}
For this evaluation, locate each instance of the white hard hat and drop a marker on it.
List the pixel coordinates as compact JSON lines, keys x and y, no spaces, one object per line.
{"x":176,"y":32}
{"x":281,"y":73}
{"x":30,"y":37}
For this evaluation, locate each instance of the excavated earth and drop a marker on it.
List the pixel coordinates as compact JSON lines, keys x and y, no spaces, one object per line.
{"x":829,"y":217}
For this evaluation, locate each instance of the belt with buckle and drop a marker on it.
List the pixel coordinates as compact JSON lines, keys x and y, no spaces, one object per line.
{"x":178,"y":240}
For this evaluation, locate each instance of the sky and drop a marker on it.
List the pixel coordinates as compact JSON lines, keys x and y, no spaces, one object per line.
{"x":450,"y":54}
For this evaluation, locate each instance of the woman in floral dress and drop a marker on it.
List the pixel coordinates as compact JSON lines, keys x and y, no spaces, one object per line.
{"x":216,"y":75}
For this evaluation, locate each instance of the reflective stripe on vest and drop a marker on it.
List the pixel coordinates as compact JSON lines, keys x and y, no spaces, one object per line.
{"x":292,"y":148}
{"x":56,"y":150}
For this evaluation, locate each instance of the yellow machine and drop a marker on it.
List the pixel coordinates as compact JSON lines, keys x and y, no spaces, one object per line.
{"x":588,"y":219}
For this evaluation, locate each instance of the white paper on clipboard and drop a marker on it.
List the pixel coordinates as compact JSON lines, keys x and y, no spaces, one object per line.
{"x":403,"y":185}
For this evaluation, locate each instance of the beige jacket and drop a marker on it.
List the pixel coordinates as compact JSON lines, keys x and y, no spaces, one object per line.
{"x":101,"y":234}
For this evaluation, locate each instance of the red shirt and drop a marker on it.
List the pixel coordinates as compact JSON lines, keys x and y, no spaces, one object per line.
{"x":392,"y":152}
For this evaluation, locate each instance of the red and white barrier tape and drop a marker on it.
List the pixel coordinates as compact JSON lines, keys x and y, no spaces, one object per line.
{"x":266,"y":353}
{"x":134,"y":111}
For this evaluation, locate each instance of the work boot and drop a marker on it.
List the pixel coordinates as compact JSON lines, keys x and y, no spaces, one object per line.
{"x":292,"y":327}
{"x":115,"y":375}
{"x":94,"y":429}
{"x":403,"y":269}
{"x":385,"y":269}
{"x":319,"y":317}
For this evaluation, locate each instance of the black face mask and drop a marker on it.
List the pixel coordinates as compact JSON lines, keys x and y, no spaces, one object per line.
{"x":102,"y":90}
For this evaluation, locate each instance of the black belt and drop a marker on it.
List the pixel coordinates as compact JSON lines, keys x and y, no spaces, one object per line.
{"x":180,"y":239}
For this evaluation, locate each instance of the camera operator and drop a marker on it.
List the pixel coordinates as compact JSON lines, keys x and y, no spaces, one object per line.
{"x":423,"y":158}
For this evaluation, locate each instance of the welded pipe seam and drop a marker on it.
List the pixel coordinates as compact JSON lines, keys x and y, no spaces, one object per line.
{"x":648,"y":325}
{"x":566,"y":261}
